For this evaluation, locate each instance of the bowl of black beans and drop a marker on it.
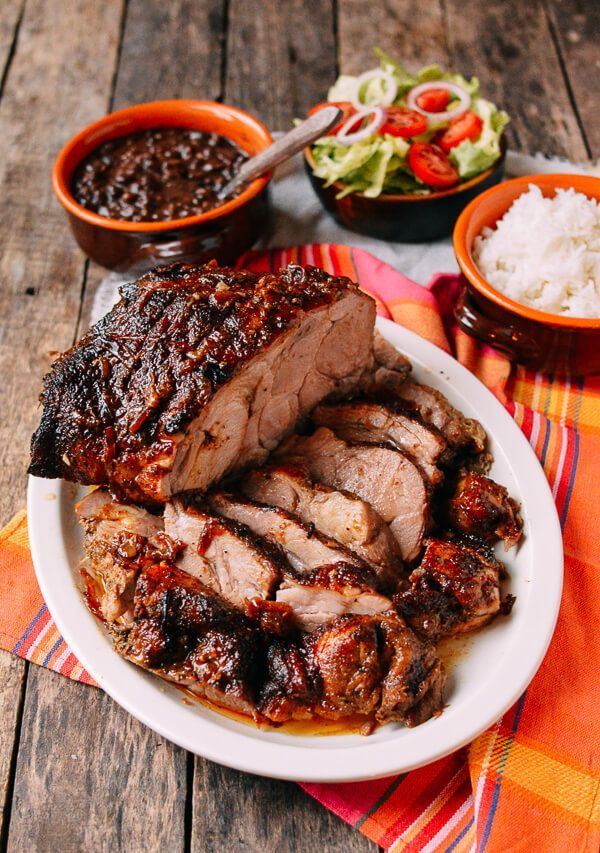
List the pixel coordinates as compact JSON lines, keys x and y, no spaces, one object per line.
{"x":145,"y":185}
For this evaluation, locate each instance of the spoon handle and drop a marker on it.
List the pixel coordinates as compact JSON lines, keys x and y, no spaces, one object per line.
{"x":289,"y":144}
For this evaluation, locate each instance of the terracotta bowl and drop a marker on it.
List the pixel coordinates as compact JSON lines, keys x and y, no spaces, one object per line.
{"x":403,"y":218}
{"x":223,"y":233}
{"x":537,"y":339}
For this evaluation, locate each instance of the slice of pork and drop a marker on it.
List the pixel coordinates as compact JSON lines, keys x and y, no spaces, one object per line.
{"x":115,"y":535}
{"x":376,"y":423}
{"x":455,"y":589}
{"x":330,"y":592}
{"x":383,"y":477}
{"x":460,"y":432}
{"x":337,"y":514}
{"x":304,"y":547}
{"x":220,"y":553}
{"x":185,"y":633}
{"x":100,"y":513}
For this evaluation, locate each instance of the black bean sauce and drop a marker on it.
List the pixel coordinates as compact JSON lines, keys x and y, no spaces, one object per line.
{"x":157,"y":175}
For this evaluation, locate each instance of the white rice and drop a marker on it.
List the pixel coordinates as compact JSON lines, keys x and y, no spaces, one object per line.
{"x":545,"y":253}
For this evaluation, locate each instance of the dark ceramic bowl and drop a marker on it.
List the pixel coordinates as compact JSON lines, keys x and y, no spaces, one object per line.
{"x":224,"y":233}
{"x":403,"y":218}
{"x":539,"y":340}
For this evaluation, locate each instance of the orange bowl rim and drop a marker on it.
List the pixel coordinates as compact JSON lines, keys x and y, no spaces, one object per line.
{"x":61,"y":187}
{"x":476,"y":279}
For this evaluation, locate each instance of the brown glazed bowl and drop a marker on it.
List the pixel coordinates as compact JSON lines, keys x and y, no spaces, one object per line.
{"x":539,"y":340}
{"x":403,"y":218}
{"x":224,"y":233}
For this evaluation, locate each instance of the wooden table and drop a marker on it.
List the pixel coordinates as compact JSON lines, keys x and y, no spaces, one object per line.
{"x":76,"y":772}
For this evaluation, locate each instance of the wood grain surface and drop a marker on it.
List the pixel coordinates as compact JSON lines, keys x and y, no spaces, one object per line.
{"x":76,"y":772}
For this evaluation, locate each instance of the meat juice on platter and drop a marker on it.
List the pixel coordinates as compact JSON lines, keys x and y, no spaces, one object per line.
{"x":286,"y":524}
{"x":157,"y":175}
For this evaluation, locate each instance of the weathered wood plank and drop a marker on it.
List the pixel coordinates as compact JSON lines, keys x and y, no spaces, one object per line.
{"x":40,"y":271}
{"x":575,"y":25}
{"x":12,"y":676}
{"x":280,"y":57}
{"x":90,"y":777}
{"x":40,"y":268}
{"x":259,"y":815}
{"x":508,"y":45}
{"x":411,"y":32}
{"x":71,"y":49}
{"x":171,"y":50}
{"x":10,"y":17}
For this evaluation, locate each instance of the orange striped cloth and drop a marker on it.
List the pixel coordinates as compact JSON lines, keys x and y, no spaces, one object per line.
{"x":532,"y":781}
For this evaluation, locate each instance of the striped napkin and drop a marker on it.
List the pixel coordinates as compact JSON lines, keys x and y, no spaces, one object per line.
{"x":532,"y":781}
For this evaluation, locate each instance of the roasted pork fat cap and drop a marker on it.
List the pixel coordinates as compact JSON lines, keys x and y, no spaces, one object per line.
{"x":117,"y":405}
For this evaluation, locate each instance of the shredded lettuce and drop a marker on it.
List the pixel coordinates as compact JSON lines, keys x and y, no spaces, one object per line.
{"x":471,"y":158}
{"x":379,"y":164}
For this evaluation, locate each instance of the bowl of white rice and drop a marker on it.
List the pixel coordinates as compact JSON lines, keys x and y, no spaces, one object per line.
{"x":529,"y":253}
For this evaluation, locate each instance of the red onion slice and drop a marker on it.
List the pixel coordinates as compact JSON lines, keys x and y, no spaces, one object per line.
{"x":345,"y":136}
{"x":435,"y":118}
{"x":390,"y":88}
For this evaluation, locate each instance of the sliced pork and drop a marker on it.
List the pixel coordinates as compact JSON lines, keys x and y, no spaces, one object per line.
{"x":480,"y":507}
{"x":115,"y":534}
{"x":304,"y":547}
{"x":460,"y":432}
{"x":456,"y":589}
{"x":383,"y":477}
{"x":221,"y":553}
{"x":198,"y":371}
{"x":337,"y":514}
{"x":329,"y":592}
{"x":377,"y":423}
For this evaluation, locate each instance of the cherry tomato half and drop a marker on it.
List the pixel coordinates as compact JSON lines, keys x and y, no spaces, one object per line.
{"x":432,"y":166}
{"x":345,"y":106}
{"x":434,"y":100}
{"x":466,"y":126}
{"x":400,"y":121}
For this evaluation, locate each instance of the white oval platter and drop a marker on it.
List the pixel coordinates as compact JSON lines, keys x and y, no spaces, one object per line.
{"x":484,"y":682}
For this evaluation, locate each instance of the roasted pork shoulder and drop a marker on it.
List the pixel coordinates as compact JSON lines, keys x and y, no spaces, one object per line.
{"x":284,"y":522}
{"x":197,"y":371}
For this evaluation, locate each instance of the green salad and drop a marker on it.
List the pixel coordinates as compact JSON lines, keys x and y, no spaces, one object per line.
{"x":405,"y":133}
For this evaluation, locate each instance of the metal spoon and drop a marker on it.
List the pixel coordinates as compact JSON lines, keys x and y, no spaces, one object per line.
{"x":289,"y":144}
